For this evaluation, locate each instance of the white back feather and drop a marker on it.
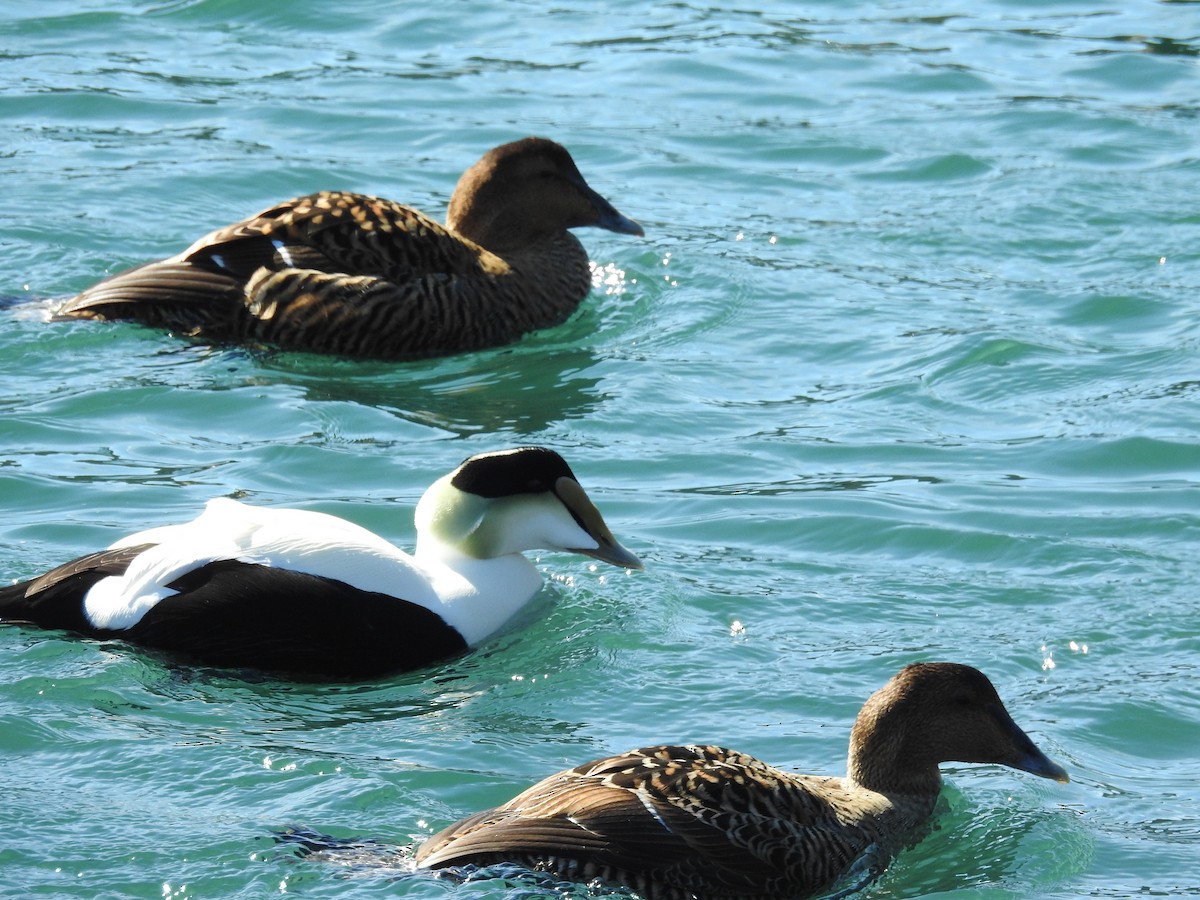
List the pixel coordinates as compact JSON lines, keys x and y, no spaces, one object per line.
{"x":309,"y":542}
{"x":474,"y":596}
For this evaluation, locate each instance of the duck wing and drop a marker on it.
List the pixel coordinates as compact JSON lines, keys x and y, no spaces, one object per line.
{"x":233,"y":613}
{"x":238,"y":614}
{"x":55,"y":599}
{"x":338,"y":232}
{"x":663,"y":820}
{"x":203,"y":290}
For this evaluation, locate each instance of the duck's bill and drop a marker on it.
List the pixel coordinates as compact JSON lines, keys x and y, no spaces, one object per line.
{"x":620,"y":224}
{"x":1025,"y":754}
{"x":1037,"y":763}
{"x":608,"y":217}
{"x":614,"y":554}
{"x":608,"y":549}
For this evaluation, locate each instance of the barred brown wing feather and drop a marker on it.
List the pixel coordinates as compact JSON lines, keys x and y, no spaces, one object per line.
{"x":168,"y":294}
{"x":636,"y":818}
{"x":340,"y":232}
{"x":758,"y":820}
{"x":366,"y":315}
{"x":572,"y":819}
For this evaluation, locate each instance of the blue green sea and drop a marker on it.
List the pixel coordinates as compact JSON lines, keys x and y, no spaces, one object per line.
{"x":907,"y":367}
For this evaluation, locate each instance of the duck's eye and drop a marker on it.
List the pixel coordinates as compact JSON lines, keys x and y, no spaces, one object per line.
{"x":963,"y":700}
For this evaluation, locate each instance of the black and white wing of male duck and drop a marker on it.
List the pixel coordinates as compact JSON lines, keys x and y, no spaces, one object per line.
{"x":706,"y":822}
{"x":355,"y":275}
{"x":314,"y":595}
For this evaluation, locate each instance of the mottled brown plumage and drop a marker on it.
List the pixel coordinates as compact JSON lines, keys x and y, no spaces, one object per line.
{"x":345,"y":273}
{"x":705,"y":822}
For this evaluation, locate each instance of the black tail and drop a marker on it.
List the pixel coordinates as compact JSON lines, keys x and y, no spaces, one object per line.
{"x":55,"y":600}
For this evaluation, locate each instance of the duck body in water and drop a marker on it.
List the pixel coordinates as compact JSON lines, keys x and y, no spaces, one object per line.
{"x":706,"y":823}
{"x":312,"y":595}
{"x":360,"y":276}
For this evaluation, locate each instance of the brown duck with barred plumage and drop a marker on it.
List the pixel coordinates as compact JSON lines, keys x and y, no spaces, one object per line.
{"x":705,"y":822}
{"x":359,"y":276}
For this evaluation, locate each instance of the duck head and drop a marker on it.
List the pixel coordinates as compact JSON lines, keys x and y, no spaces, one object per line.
{"x":524,"y":192}
{"x":931,"y":713}
{"x":509,"y":501}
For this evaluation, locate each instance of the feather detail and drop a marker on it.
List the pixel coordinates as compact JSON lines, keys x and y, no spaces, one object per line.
{"x":685,"y":822}
{"x":308,"y":593}
{"x":351,"y":274}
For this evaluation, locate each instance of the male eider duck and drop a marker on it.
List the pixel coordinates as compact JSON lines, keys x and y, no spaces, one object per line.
{"x":359,"y":276}
{"x":311,"y":594}
{"x":704,"y":822}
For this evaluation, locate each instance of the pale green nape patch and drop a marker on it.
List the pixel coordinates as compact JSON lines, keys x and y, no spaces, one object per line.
{"x":485,"y":528}
{"x":448,"y":516}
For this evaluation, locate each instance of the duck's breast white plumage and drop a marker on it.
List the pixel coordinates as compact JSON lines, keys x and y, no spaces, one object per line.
{"x":478,"y":596}
{"x":309,"y":542}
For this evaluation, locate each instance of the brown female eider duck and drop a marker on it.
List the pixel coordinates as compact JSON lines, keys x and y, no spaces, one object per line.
{"x":310,"y":594}
{"x":359,"y":276}
{"x":705,"y":822}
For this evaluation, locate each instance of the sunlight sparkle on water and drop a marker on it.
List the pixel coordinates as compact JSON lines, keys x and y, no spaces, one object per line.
{"x":609,"y":277}
{"x":1047,"y":658}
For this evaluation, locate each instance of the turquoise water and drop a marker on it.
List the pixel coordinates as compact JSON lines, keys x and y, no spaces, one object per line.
{"x":905,"y":368}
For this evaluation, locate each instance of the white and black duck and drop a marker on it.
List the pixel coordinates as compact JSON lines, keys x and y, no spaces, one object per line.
{"x":311,"y":594}
{"x":675,"y":822}
{"x":354,"y":275}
